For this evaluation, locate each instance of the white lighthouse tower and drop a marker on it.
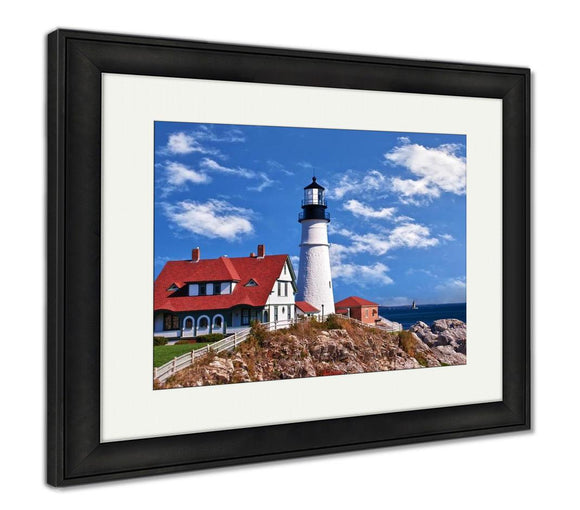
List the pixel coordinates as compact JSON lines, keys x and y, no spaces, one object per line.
{"x":314,"y":277}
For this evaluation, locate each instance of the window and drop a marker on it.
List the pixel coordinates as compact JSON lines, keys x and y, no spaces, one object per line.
{"x":172,"y":287}
{"x":284,"y":268}
{"x":245,"y":316}
{"x":170,"y":321}
{"x":366,"y":313}
{"x":217,"y":322}
{"x":282,"y":288}
{"x":217,"y":289}
{"x":251,"y":283}
{"x":202,"y":289}
{"x":203,"y":323}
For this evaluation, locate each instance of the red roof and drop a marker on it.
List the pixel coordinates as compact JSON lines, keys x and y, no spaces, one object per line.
{"x":306,"y":307}
{"x":265,"y":271}
{"x":354,"y":302}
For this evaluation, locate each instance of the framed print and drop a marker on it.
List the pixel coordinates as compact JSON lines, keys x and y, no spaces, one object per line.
{"x":259,"y":253}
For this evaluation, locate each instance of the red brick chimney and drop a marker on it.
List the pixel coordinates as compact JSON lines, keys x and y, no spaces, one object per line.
{"x":261,"y":251}
{"x":195,"y":254}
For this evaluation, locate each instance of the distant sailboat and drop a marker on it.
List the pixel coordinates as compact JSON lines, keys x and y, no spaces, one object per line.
{"x":414,"y":306}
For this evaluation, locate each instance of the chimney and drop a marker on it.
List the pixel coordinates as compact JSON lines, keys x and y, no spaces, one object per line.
{"x":195,"y":254}
{"x":261,"y":251}
{"x":252,"y":255}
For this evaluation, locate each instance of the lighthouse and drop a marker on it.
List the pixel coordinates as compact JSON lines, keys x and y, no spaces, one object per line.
{"x":314,"y":277}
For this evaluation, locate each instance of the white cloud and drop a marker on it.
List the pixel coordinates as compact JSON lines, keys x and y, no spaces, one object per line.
{"x":412,"y":235}
{"x":213,"y":219}
{"x":278,"y":167}
{"x":213,"y":166}
{"x":427,"y":272}
{"x":396,"y":301}
{"x":305,"y":165}
{"x":438,"y":168}
{"x":452,"y":290}
{"x":266,"y":181}
{"x":161,"y":261}
{"x":232,"y":135}
{"x":295,"y":259}
{"x":360,"y":274}
{"x":362,"y":210}
{"x":409,"y":188}
{"x":403,"y":219}
{"x":407,"y":235}
{"x":447,"y":237}
{"x":182,"y":143}
{"x":372,"y":181}
{"x":179,"y":174}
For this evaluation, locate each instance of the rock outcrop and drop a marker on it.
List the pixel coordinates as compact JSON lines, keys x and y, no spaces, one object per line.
{"x":447,"y":339}
{"x":310,"y":349}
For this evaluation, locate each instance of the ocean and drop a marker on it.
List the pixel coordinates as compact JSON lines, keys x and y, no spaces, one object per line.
{"x":425,"y":313}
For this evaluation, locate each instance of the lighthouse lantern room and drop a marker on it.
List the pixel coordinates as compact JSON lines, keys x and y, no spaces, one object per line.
{"x":314,"y":276}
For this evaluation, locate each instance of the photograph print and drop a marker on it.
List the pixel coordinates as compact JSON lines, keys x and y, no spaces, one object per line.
{"x":288,"y":252}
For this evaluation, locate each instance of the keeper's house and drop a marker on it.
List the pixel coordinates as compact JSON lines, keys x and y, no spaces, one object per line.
{"x":196,"y":297}
{"x":359,"y":308}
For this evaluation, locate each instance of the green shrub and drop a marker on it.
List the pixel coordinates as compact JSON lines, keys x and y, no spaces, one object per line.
{"x":211,"y":337}
{"x":159,"y":340}
{"x":333,"y":322}
{"x":258,"y":333}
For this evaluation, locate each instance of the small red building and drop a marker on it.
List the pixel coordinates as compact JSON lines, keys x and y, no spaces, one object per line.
{"x":358,"y":308}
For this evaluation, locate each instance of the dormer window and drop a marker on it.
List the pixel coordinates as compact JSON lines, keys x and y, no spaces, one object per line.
{"x":251,"y":283}
{"x":172,"y":288}
{"x":211,"y":288}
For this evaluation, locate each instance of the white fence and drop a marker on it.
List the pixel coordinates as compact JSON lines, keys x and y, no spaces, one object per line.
{"x":164,"y":372}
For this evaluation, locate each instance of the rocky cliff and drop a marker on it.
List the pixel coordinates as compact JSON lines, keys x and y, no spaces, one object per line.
{"x":335,"y":347}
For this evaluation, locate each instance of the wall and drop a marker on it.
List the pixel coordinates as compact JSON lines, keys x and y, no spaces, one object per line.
{"x":526,"y":470}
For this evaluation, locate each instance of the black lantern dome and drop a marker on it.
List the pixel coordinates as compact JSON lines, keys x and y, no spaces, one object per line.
{"x":314,"y":203}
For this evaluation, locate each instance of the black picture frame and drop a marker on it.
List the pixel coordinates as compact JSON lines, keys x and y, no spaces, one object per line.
{"x":75,"y":62}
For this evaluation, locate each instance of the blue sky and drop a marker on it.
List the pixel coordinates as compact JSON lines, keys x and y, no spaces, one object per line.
{"x":396,"y":200}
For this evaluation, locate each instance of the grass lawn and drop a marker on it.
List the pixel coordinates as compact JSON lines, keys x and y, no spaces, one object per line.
{"x":164,"y":353}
